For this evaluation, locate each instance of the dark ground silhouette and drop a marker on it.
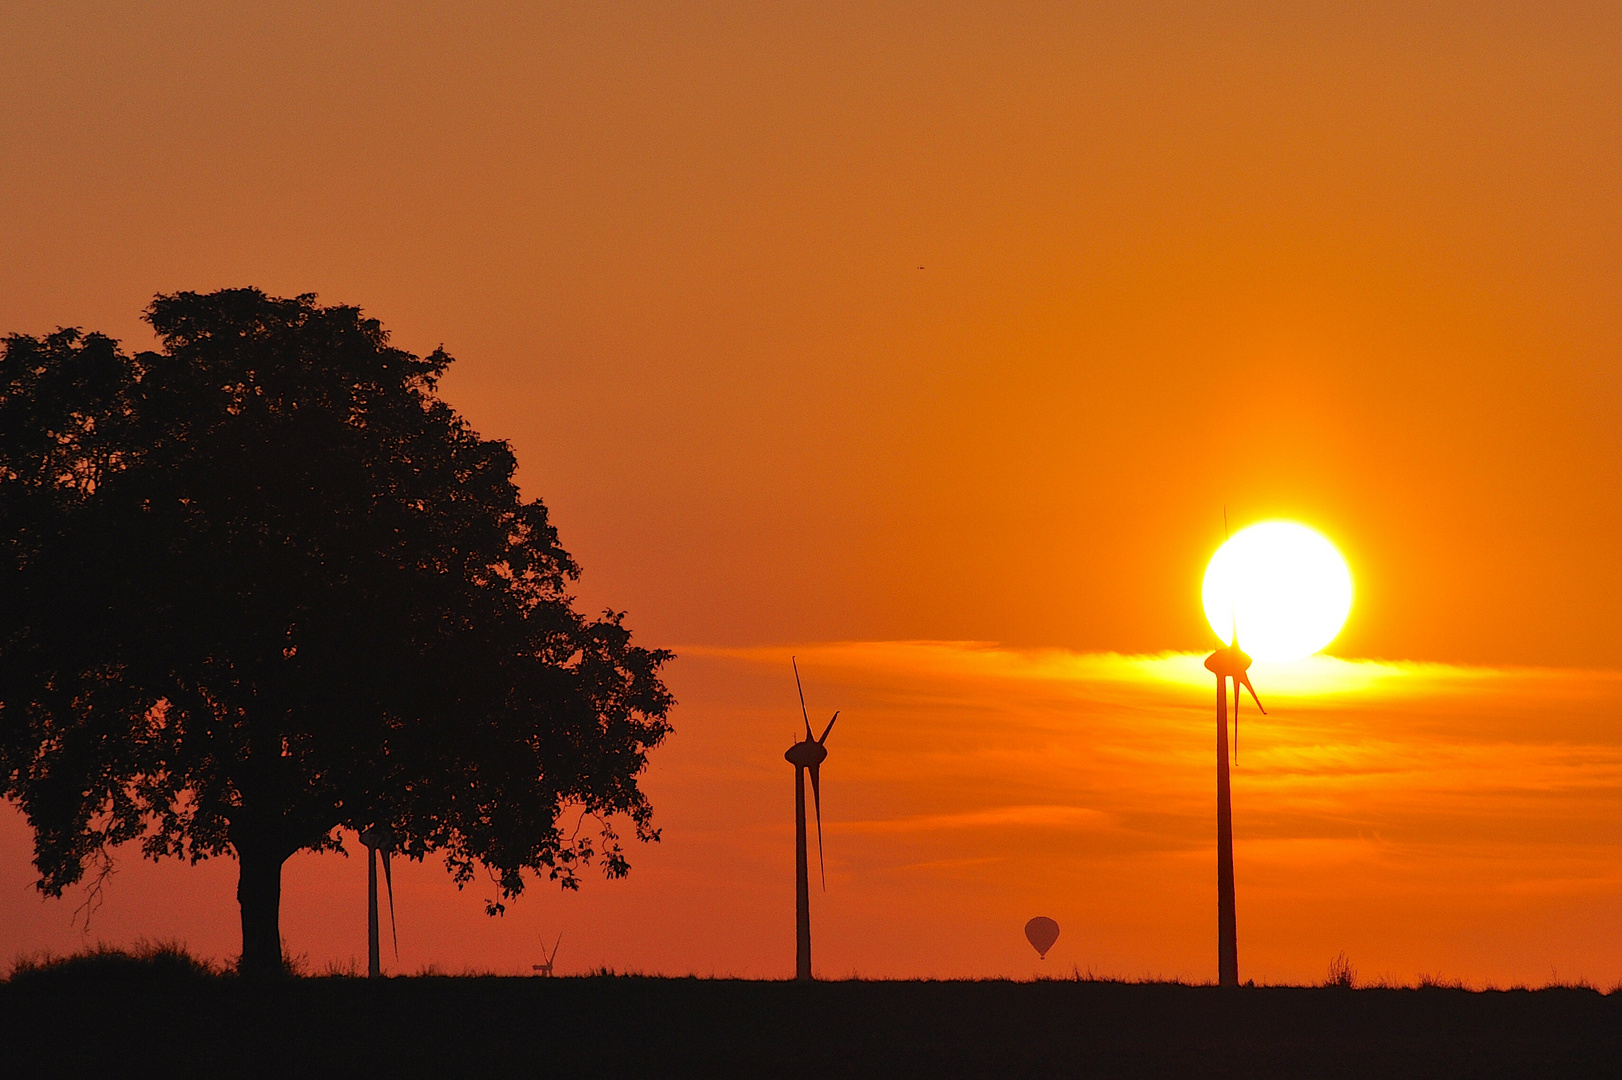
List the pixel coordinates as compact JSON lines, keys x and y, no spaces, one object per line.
{"x":127,"y":1018}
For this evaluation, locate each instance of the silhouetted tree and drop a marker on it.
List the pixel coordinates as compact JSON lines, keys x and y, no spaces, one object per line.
{"x":263,"y":585}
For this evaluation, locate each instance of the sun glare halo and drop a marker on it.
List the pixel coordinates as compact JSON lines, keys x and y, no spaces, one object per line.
{"x":1285,"y":587}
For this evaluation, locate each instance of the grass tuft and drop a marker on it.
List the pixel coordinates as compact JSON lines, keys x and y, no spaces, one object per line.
{"x":1342,"y":975}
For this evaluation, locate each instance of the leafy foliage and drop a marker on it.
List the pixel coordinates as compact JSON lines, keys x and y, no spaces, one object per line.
{"x":264,"y":585}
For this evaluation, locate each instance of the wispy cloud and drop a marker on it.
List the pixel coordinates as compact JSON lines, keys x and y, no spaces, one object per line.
{"x":994,"y":817}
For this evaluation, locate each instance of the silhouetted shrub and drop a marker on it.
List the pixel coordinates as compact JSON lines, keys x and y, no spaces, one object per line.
{"x":166,"y":961}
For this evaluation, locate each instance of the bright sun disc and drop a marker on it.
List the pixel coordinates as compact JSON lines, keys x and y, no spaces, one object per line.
{"x":1287,"y":589}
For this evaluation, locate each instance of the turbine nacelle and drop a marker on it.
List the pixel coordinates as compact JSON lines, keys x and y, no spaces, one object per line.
{"x":1232,"y":662}
{"x":1229,"y":660}
{"x":807,"y":754}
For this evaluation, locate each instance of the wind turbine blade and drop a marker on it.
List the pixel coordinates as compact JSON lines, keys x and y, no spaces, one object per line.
{"x":801,"y":689}
{"x":816,"y":797}
{"x":1245,"y":678}
{"x":555,"y":944}
{"x":827,"y":729}
{"x":388,"y":879}
{"x":1236,"y":723}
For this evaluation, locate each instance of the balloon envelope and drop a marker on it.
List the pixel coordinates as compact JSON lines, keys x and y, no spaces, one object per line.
{"x":1042,"y":932}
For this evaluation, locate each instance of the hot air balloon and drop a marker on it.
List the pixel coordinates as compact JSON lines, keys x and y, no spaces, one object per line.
{"x":1042,"y":932}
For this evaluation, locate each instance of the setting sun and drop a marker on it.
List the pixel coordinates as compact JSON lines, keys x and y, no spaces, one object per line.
{"x":1283,"y":587}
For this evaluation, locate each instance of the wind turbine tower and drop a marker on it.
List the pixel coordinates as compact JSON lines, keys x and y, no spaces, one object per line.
{"x":379,"y":841}
{"x":806,"y":756}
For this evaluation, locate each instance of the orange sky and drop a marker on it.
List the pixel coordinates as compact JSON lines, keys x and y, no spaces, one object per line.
{"x":1358,"y":267}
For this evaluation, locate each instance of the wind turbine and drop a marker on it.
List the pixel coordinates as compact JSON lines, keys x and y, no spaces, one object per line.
{"x":551,"y":957}
{"x":379,"y":841}
{"x":806,"y":756}
{"x":1228,"y":662}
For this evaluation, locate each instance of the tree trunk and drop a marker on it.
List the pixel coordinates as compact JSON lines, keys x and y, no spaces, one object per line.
{"x":259,"y":894}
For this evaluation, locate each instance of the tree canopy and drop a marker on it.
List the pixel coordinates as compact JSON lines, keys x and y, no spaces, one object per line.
{"x":263,"y":585}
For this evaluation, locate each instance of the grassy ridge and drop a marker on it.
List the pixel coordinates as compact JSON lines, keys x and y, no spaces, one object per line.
{"x":112,"y":1018}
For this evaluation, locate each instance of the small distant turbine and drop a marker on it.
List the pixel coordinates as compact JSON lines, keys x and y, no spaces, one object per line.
{"x":1228,"y":662}
{"x":551,"y":957}
{"x":806,"y":756}
{"x":379,"y":841}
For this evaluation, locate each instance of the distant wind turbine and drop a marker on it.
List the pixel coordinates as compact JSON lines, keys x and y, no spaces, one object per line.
{"x":806,"y":756}
{"x":551,"y":957}
{"x":379,"y":841}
